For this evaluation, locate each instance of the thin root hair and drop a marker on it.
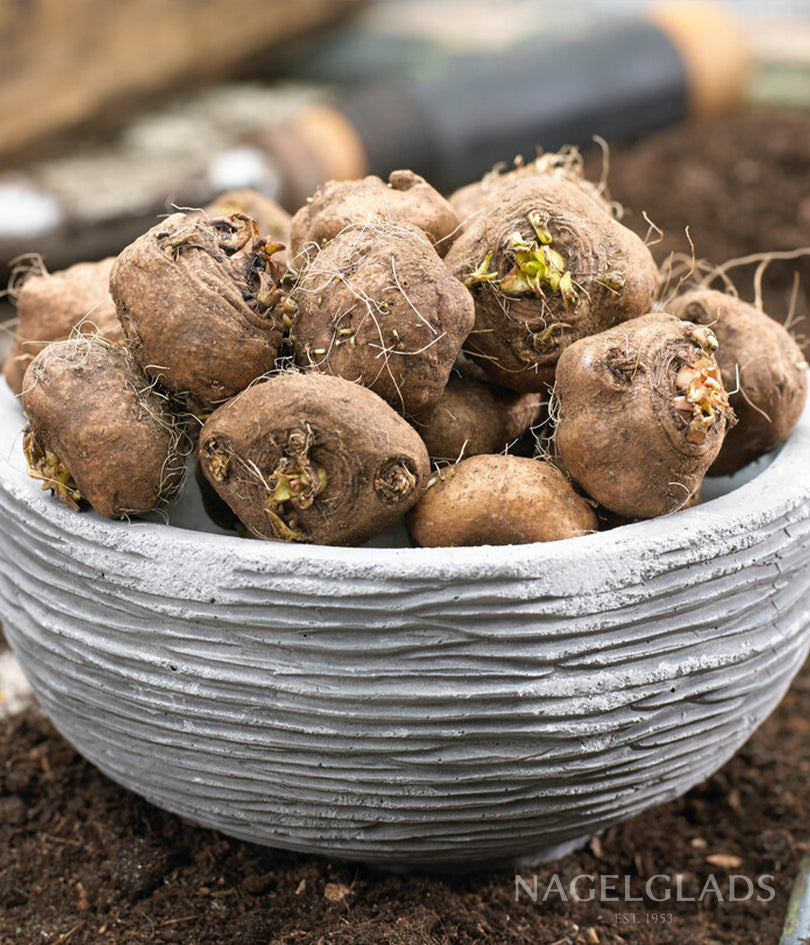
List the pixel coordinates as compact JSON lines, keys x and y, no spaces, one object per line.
{"x":653,"y":228}
{"x":23,"y":267}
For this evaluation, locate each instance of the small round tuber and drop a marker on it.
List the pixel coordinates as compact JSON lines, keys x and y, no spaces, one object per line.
{"x":473,"y":417}
{"x":307,"y":457}
{"x":546,"y":265}
{"x":378,"y":306}
{"x":499,"y":500}
{"x":53,"y":305}
{"x":406,"y":198}
{"x":641,"y":413}
{"x":566,"y":164}
{"x":201,"y":305}
{"x":762,"y":367}
{"x":98,"y":432}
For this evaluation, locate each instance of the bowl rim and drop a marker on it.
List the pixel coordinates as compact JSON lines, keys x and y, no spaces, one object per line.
{"x":782,"y":485}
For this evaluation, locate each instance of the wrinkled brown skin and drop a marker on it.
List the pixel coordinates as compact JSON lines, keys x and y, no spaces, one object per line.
{"x":472,"y":199}
{"x":472,"y":417}
{"x":499,"y":500}
{"x":273,"y":219}
{"x":618,"y":433}
{"x":350,"y":306}
{"x":190,"y":313}
{"x":759,"y":355}
{"x":374,"y":463}
{"x":406,"y":198}
{"x":89,"y":404}
{"x":508,"y":338}
{"x":51,"y":305}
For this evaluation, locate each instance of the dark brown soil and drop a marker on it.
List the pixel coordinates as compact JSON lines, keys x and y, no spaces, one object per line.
{"x":87,"y":862}
{"x":83,"y":861}
{"x":740,"y":185}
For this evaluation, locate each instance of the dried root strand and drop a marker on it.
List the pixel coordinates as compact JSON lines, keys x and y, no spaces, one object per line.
{"x":309,"y":457}
{"x":641,"y":414}
{"x":201,"y":303}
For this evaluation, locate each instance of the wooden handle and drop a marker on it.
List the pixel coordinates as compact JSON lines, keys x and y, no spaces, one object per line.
{"x":714,"y":50}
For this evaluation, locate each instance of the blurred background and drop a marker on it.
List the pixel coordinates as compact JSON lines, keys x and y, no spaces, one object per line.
{"x":115,"y":112}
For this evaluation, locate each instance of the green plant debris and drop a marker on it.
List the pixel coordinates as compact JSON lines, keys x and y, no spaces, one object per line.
{"x":295,"y":481}
{"x":549,"y":337}
{"x":482,"y":273}
{"x":47,"y":467}
{"x":538,"y":267}
{"x":538,"y":225}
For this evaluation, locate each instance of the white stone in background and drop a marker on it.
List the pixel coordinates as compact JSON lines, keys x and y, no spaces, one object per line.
{"x":27,"y":211}
{"x":243,"y":167}
{"x":15,"y":693}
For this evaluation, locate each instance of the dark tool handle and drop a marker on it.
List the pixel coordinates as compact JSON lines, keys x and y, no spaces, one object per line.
{"x":452,"y":124}
{"x":453,"y":127}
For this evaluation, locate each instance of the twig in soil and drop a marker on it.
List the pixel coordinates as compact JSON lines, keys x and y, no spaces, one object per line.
{"x":145,"y":915}
{"x":64,"y":840}
{"x":177,"y":921}
{"x":65,"y":936}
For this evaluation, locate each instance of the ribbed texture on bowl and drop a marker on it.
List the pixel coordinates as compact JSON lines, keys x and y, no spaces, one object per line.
{"x":411,"y":706}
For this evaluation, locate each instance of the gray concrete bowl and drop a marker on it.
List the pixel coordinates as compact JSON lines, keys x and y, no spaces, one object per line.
{"x":402,"y":706}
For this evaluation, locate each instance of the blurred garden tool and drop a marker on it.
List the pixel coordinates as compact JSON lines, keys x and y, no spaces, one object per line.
{"x":396,"y":88}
